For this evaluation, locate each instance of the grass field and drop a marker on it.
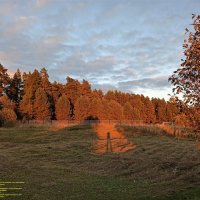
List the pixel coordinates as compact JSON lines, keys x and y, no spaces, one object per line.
{"x":62,"y":164}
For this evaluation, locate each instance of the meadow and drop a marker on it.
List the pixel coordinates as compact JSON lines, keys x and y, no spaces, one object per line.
{"x":59,"y":164}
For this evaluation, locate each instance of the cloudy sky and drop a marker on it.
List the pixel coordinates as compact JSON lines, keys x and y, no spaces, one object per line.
{"x":129,"y":45}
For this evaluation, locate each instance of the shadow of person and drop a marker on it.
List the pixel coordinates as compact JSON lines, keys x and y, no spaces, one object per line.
{"x":109,"y":144}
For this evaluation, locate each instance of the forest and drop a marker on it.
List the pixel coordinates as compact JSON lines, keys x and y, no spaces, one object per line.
{"x":28,"y":96}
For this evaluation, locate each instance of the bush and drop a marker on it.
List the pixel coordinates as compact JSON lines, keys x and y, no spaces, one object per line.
{"x":7,"y":117}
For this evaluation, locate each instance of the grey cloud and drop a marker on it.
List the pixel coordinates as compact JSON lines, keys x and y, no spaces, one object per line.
{"x":76,"y":66}
{"x":145,"y":83}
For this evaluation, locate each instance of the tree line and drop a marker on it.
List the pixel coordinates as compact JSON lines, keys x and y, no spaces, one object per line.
{"x":32,"y":96}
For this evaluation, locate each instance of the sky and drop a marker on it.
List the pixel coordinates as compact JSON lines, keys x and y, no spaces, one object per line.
{"x":127,"y":45}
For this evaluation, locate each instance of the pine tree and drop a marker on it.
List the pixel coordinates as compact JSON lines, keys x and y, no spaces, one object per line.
{"x":105,"y":112}
{"x":62,"y":108}
{"x":149,"y":111}
{"x":136,"y":114}
{"x":32,"y":82}
{"x":4,"y":80}
{"x":115,"y":111}
{"x":41,"y":105}
{"x":16,"y":87}
{"x":72,"y":89}
{"x":46,"y":85}
{"x":96,"y":108}
{"x":85,"y":89}
{"x":128,"y":111}
{"x":160,"y":109}
{"x":82,"y":108}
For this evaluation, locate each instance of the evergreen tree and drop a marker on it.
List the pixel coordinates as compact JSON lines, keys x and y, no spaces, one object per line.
{"x":115,"y":111}
{"x":82,"y":108}
{"x":41,"y":105}
{"x":62,"y":108}
{"x":72,"y":89}
{"x":85,"y":89}
{"x":96,"y":108}
{"x":32,"y":82}
{"x":16,"y":87}
{"x":4,"y":80}
{"x":128,"y":111}
{"x":136,"y":114}
{"x":105,"y":112}
{"x":149,"y":111}
{"x":46,"y":85}
{"x":160,"y":110}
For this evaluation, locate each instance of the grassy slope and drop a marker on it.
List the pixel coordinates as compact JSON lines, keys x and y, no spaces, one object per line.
{"x":60,"y":165}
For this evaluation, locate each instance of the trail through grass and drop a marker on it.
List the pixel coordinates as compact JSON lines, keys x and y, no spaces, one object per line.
{"x":59,"y":165}
{"x":115,"y":142}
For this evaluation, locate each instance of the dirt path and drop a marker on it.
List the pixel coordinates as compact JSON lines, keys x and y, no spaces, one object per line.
{"x":115,"y":142}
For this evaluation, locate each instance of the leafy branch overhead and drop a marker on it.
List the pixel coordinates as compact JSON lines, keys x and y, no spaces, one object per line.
{"x":186,"y":79}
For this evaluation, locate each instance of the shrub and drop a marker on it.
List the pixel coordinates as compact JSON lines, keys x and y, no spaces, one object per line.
{"x":7,"y":116}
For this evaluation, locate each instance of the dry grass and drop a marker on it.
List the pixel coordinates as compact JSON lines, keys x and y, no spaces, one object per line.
{"x":177,"y":131}
{"x":167,"y":130}
{"x":62,"y":165}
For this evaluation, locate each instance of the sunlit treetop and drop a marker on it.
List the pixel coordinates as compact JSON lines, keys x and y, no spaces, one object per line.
{"x":186,"y":79}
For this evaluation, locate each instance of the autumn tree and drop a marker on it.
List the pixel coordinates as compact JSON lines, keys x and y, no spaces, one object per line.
{"x":82,"y":108}
{"x":115,"y":110}
{"x":72,"y":89}
{"x":128,"y":111}
{"x":186,"y":79}
{"x":138,"y":105}
{"x":85,"y":89}
{"x":97,"y":94}
{"x":96,"y":109}
{"x":137,"y":114}
{"x":105,"y":111}
{"x":41,"y":105}
{"x":62,"y":108}
{"x":149,"y":111}
{"x":46,"y":85}
{"x":32,"y":81}
{"x":160,"y":109}
{"x":171,"y":109}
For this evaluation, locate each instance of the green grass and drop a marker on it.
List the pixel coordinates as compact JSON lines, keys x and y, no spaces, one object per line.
{"x":59,"y":165}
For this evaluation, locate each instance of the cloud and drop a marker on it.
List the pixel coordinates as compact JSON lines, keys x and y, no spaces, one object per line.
{"x":124,"y":44}
{"x":160,"y":82}
{"x":76,"y":66}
